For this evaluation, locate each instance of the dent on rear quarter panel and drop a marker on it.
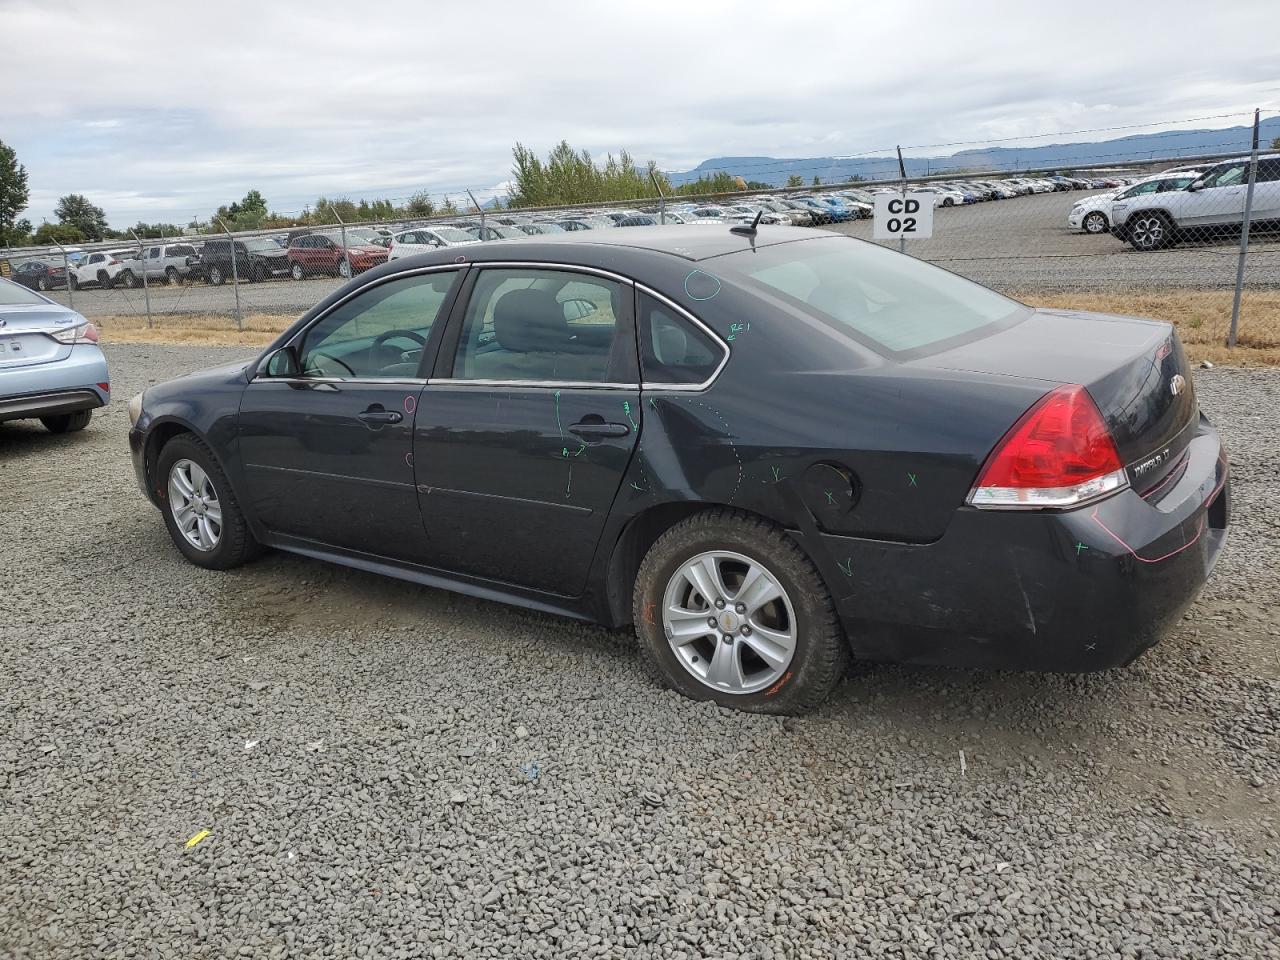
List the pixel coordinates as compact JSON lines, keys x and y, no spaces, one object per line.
{"x":816,"y":433}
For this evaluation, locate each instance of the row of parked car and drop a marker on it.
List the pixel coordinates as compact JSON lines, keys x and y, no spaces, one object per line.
{"x":302,"y":252}
{"x":1180,"y":203}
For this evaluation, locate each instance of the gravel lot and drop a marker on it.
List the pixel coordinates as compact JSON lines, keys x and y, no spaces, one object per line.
{"x":388,"y":770}
{"x":1021,"y":244}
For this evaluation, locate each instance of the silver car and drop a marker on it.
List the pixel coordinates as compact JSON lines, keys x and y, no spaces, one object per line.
{"x":51,"y":368}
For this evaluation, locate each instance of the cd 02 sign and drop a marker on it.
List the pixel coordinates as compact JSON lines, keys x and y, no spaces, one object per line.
{"x":903,"y":216}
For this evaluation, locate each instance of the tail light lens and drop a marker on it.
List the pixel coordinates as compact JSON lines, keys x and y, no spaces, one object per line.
{"x":1059,"y":454}
{"x":85,"y":333}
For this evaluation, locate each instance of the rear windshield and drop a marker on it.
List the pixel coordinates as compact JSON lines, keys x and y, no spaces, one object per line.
{"x":889,"y":301}
{"x":16,"y":295}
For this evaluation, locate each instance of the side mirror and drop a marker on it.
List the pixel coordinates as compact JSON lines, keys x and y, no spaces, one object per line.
{"x":281,"y":363}
{"x":1194,"y":186}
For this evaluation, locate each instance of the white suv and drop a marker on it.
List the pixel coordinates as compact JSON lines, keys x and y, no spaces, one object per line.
{"x":101,"y":267}
{"x":1093,"y":214}
{"x":1210,"y":204}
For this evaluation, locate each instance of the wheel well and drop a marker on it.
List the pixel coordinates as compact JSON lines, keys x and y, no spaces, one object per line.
{"x":640,"y":533}
{"x":156,"y":441}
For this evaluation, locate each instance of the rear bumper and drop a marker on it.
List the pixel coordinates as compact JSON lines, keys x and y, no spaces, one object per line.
{"x":59,"y":386}
{"x":1072,"y":591}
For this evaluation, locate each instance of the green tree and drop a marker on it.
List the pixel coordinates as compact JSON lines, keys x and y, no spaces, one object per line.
{"x":245,"y":214}
{"x":13,"y":198}
{"x":817,"y":180}
{"x":795,"y":180}
{"x":155,"y":231}
{"x":75,"y":210}
{"x":448,"y":209}
{"x":572,"y":176}
{"x":54,"y":233}
{"x":420,"y":205}
{"x":1275,"y":144}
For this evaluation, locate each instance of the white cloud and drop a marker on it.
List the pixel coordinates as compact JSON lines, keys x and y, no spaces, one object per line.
{"x":388,"y":98}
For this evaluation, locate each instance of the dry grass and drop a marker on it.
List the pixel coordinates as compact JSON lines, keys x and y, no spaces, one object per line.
{"x":202,"y":330}
{"x":1201,"y":316}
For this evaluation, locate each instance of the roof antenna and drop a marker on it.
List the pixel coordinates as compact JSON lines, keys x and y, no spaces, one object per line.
{"x":748,"y":231}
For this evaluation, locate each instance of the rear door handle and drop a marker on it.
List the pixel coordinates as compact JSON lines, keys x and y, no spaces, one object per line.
{"x":596,"y":430}
{"x":378,"y":415}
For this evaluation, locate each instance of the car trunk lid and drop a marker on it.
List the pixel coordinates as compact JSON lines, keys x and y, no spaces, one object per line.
{"x":1135,"y":371}
{"x":23,"y":337}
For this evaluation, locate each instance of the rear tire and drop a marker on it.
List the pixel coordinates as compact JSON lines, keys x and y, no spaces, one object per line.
{"x":75,"y":284}
{"x":171,"y":275}
{"x":1150,"y":231}
{"x":234,"y":543}
{"x":129,"y":279}
{"x":795,"y":680}
{"x":67,"y":422}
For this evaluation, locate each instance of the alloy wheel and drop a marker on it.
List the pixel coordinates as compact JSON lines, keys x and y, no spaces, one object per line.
{"x":1148,"y":233}
{"x":194,"y":503}
{"x":1095,"y":223}
{"x":729,"y":622}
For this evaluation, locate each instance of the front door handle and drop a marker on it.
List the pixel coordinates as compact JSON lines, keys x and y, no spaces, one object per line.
{"x":377,"y":414}
{"x":598,"y":430}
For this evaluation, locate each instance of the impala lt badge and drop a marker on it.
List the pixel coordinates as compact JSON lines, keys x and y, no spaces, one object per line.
{"x":1177,"y":384}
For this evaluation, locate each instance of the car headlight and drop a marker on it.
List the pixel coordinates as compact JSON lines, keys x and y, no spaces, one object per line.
{"x":135,"y":410}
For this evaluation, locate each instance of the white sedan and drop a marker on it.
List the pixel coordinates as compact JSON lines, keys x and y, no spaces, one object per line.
{"x":422,"y":239}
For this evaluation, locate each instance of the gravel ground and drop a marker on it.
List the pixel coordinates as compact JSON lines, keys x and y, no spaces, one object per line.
{"x":1021,"y":244}
{"x":388,"y":770}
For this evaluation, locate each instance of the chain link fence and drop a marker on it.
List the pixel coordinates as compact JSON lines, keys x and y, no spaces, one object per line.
{"x":1111,"y":232}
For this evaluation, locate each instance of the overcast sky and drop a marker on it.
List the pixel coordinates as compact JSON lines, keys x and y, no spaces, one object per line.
{"x":163,"y":110}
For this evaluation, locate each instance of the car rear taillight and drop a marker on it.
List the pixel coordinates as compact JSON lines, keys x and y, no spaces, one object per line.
{"x":1059,"y":454}
{"x":85,"y":333}
{"x":113,"y":262}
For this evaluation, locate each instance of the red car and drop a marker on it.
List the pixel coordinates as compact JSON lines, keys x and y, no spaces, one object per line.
{"x":323,"y":253}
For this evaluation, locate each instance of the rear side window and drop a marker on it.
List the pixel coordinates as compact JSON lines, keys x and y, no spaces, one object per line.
{"x":885,"y":300}
{"x":673,"y":350}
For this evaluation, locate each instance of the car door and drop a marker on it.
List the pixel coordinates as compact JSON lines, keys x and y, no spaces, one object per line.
{"x":1218,"y":199}
{"x":1266,"y":191}
{"x":326,"y":429}
{"x":526,"y":428}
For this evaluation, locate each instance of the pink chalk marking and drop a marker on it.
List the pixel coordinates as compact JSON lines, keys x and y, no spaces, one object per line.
{"x":408,"y":459}
{"x":410,"y":404}
{"x":1173,"y":553}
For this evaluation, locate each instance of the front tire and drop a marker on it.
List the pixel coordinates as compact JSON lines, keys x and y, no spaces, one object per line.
{"x":67,"y":422}
{"x":297,"y":272}
{"x":129,"y":279}
{"x":200,"y":509}
{"x":344,"y":269}
{"x":75,"y":283}
{"x":42,"y":283}
{"x":216,"y":276}
{"x":1095,"y":222}
{"x":776,"y":645}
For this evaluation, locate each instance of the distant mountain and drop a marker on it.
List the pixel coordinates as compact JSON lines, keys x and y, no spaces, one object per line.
{"x":1168,"y":144}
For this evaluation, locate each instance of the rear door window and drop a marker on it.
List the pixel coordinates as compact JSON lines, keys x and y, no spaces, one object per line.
{"x":530,"y":324}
